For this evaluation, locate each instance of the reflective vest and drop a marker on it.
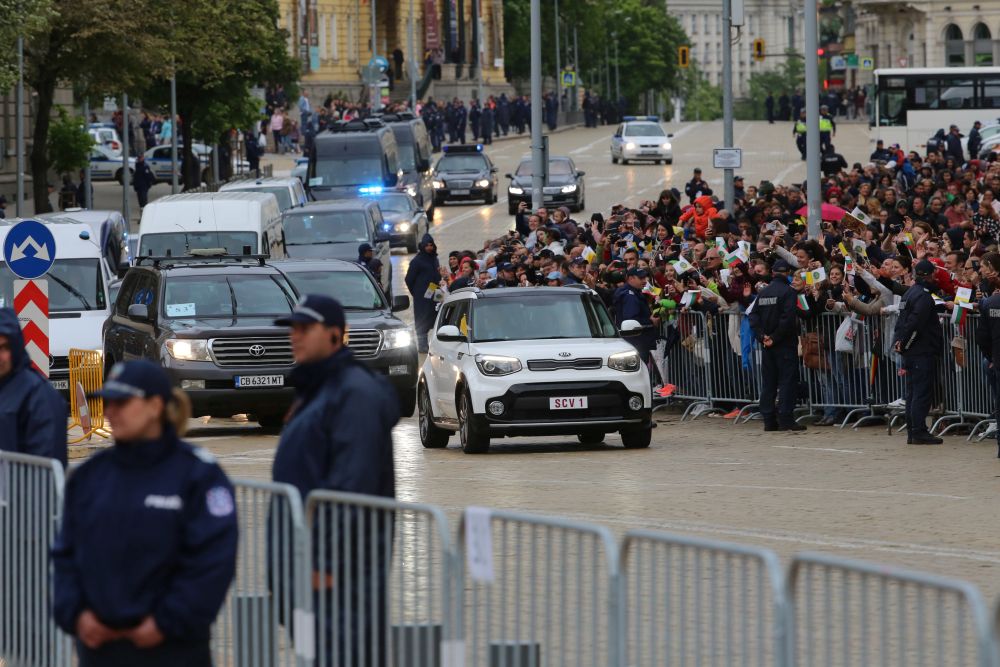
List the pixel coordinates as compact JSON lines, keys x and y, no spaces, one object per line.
{"x":825,"y":124}
{"x":800,"y":127}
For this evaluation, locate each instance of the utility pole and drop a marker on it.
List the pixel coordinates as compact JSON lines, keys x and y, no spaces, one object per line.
{"x":727,"y":97}
{"x":86,"y":203}
{"x":558,"y":92}
{"x":607,"y":71}
{"x":174,"y":170}
{"x":537,"y":168}
{"x":618,"y":81}
{"x":126,"y":176}
{"x":812,"y":120}
{"x":576,"y":68}
{"x":413,"y":63}
{"x":477,"y":34}
{"x":374,"y":47}
{"x":19,"y":127}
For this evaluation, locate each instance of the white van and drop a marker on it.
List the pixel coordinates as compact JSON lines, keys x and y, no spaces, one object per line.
{"x":79,"y":300}
{"x":242,"y":223}
{"x":108,"y":229}
{"x":289,"y":191}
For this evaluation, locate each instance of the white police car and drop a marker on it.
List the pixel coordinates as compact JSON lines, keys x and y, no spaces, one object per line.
{"x":106,"y":166}
{"x":641,"y":138}
{"x":531,"y":361}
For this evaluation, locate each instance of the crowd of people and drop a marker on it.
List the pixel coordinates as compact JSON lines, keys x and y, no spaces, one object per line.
{"x":892,"y":222}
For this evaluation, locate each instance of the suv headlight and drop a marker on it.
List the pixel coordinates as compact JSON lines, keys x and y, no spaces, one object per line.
{"x":627,"y":362}
{"x":566,"y":189}
{"x":514,"y":190}
{"x":666,"y":146}
{"x":437,"y":184}
{"x":493,"y":365}
{"x":630,"y":145}
{"x":483,"y":183}
{"x":187,"y":350}
{"x":397,"y":338}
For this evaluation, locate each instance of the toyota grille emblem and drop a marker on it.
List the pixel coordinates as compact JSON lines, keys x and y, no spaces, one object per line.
{"x":257,"y":350}
{"x":565,"y":354}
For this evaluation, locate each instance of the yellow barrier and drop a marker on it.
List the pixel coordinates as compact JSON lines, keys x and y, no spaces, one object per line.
{"x":86,"y":375}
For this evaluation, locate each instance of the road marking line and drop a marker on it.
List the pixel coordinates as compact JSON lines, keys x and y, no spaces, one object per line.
{"x":820,"y":449}
{"x":785,"y":172}
{"x":584,"y":149}
{"x":467,"y":214}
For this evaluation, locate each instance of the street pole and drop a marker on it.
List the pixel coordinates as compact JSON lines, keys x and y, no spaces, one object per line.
{"x":558,"y":92}
{"x":618,"y":81}
{"x":576,"y":67}
{"x":86,"y":203}
{"x":537,"y":167}
{"x":727,"y":97}
{"x":477,"y":36}
{"x":19,"y":126}
{"x":174,"y":171}
{"x":813,"y":195}
{"x":126,"y":180}
{"x":374,"y":48}
{"x":607,"y":71}
{"x":413,"y":64}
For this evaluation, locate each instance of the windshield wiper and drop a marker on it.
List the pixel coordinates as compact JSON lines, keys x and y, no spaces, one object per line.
{"x":72,"y":290}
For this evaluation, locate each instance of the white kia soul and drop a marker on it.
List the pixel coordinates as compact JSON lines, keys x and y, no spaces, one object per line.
{"x":531,"y":361}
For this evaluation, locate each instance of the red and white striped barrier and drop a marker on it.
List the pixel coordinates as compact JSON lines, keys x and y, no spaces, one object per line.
{"x":31,"y":303}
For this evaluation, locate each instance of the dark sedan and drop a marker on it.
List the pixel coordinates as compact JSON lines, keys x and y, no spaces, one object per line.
{"x":404,"y":219}
{"x":564,"y":188}
{"x":464,"y":172}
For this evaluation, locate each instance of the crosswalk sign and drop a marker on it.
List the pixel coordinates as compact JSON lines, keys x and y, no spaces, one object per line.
{"x":568,"y":79}
{"x":867,"y":63}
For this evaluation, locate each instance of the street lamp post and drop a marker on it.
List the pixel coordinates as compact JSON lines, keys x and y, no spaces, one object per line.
{"x":19,"y":126}
{"x":126,"y":176}
{"x":537,"y":167}
{"x":558,"y":59}
{"x":813,"y":195}
{"x":87,"y":203}
{"x":727,"y":97}
{"x":413,"y":64}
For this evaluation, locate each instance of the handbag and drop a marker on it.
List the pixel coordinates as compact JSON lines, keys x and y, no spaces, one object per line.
{"x":812,"y":351}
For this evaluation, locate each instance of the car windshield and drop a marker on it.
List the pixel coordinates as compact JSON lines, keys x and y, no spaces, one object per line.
{"x":407,"y":157}
{"x":326,"y":227}
{"x":178,"y":244}
{"x":644,"y":130}
{"x":341,"y":172}
{"x":541,"y":316}
{"x":74,"y":284}
{"x":280,"y":192}
{"x":396,"y":203}
{"x":560,"y":167}
{"x":460,"y":163}
{"x":353,"y":289}
{"x":227,"y":296}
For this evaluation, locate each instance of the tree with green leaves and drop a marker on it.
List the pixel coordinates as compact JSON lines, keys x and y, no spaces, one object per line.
{"x":21,"y":18}
{"x":786,"y":78}
{"x":69,"y":143}
{"x":702,"y":100}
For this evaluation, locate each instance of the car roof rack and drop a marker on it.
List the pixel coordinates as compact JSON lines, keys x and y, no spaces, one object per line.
{"x":357,"y":125}
{"x":397,"y":116}
{"x":472,"y":289}
{"x":201,"y":255}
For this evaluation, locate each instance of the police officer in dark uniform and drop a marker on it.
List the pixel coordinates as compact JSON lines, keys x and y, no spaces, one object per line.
{"x":147,"y":549}
{"x":919,"y":340}
{"x":774,"y":325}
{"x":631,"y":304}
{"x":338,"y":436}
{"x":988,"y":332}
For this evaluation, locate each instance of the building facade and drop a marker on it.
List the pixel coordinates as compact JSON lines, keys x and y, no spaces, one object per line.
{"x":777,"y":22}
{"x":332,"y":39}
{"x":931,"y":33}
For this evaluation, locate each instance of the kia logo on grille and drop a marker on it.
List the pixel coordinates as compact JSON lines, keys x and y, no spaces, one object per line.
{"x":257,"y":350}
{"x":565,"y":354}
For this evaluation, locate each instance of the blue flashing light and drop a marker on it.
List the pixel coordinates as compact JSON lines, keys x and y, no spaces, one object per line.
{"x":371,"y":189}
{"x":655,"y":119}
{"x":386,"y":226}
{"x":463,"y":148}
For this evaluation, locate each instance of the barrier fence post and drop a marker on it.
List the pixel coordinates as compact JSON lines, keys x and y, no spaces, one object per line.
{"x":31,"y":500}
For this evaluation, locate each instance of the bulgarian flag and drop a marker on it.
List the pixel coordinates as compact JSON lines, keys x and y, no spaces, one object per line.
{"x":873,"y":372}
{"x":802,"y":303}
{"x":958,"y":315}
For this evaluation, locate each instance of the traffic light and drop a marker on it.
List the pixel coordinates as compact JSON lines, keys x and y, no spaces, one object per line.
{"x":683,"y":56}
{"x":820,"y":52}
{"x":758,"y":49}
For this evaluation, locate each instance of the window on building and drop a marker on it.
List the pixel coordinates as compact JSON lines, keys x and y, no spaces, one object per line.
{"x":954,"y":46}
{"x":706,"y":23}
{"x":334,"y":42}
{"x":982,"y":46}
{"x":694,"y":24}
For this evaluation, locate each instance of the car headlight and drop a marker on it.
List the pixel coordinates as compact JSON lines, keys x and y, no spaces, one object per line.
{"x":483,"y":183}
{"x":437,"y":184}
{"x":514,"y":190}
{"x":493,"y":365}
{"x":627,"y":362}
{"x":411,"y":190}
{"x":566,"y":189}
{"x":630,"y":145}
{"x":666,"y":146}
{"x":403,"y":227}
{"x":187,"y":350}
{"x":398,"y":338}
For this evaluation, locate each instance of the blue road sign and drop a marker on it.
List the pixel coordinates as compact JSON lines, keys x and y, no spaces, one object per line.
{"x":29,"y":249}
{"x":380,"y":62}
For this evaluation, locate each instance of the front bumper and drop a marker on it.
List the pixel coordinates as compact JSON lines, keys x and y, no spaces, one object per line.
{"x":221,"y":398}
{"x":567,"y":199}
{"x":398,"y":366}
{"x":647,"y":153}
{"x":448,"y":194}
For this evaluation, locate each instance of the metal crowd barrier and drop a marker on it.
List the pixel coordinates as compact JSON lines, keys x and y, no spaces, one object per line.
{"x":31,"y":502}
{"x":270,"y":592}
{"x":686,"y":363}
{"x":538,"y":591}
{"x":86,"y":369}
{"x":383,"y":575}
{"x":695,"y":601}
{"x":846,"y":612}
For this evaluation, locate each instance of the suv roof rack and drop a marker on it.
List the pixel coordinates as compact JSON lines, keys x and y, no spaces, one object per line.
{"x":200,"y":255}
{"x":357,"y":125}
{"x":397,"y":116}
{"x":472,"y":289}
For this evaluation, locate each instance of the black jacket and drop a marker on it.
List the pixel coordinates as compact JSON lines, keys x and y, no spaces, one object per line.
{"x":917,"y":327}
{"x":422,"y":272}
{"x":988,"y":332}
{"x":774,"y":314}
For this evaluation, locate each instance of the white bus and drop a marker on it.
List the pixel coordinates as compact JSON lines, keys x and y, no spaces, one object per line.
{"x":911,"y":104}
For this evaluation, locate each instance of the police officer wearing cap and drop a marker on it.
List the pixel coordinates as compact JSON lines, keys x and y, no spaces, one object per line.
{"x":631,"y":304}
{"x":338,"y":437}
{"x":772,"y":319}
{"x":988,"y":331}
{"x":147,"y":548}
{"x":919,"y":340}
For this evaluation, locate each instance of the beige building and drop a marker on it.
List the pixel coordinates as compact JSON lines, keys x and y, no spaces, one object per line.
{"x":332,"y":38}
{"x":929,"y":33}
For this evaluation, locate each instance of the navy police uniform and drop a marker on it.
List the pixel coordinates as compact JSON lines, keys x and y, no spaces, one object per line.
{"x":773,"y":315}
{"x":424,"y":270}
{"x":338,"y":436}
{"x":631,"y":304}
{"x":988,"y":341}
{"x":919,"y":340}
{"x":149,"y":529}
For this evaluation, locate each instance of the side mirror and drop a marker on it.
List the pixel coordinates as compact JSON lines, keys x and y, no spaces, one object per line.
{"x":581,"y":173}
{"x":138,"y":312}
{"x":510,"y":176}
{"x":493,"y":170}
{"x":122,"y":269}
{"x":631,"y":328}
{"x":382,"y":237}
{"x":400,"y":303}
{"x":450,"y":333}
{"x":670,"y":135}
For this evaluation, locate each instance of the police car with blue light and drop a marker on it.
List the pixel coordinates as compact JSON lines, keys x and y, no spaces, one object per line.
{"x":641,"y":138}
{"x":464,"y":172}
